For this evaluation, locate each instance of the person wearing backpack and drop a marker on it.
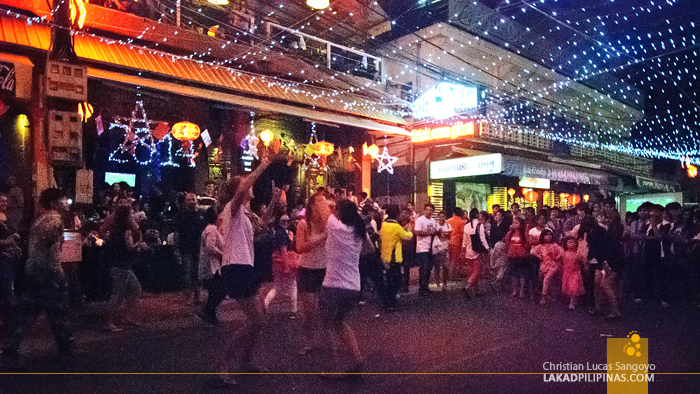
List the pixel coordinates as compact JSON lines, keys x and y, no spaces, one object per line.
{"x":475,"y":245}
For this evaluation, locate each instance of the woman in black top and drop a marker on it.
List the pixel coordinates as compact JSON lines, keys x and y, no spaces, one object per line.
{"x":126,"y":289}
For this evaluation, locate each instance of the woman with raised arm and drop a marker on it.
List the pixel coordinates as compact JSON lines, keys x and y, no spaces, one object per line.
{"x":238,"y":275}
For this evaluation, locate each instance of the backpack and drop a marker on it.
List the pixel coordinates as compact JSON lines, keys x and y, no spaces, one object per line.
{"x":477,"y":246}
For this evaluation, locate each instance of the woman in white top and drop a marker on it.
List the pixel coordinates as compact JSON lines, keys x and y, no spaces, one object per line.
{"x":475,"y":248}
{"x":238,"y":276}
{"x":341,"y":286}
{"x":210,"y":264}
{"x":440,"y":249}
{"x":311,"y":246}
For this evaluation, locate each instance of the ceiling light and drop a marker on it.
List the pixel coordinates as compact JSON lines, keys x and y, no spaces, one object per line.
{"x":318,"y":4}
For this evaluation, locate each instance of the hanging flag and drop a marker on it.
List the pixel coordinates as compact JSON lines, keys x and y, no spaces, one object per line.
{"x":206,"y":138}
{"x":100,"y":126}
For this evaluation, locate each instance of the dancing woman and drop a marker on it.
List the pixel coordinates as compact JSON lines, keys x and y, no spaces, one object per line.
{"x":238,"y":275}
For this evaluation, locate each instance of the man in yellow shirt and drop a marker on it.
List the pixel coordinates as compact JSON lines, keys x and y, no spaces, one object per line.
{"x":391,"y":234}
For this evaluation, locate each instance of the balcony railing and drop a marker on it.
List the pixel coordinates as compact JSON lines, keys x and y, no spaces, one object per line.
{"x":334,"y":56}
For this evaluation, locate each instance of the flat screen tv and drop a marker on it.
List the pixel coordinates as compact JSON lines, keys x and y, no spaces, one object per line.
{"x":116,"y":177}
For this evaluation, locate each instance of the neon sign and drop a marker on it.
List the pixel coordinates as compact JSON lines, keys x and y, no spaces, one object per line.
{"x":444,"y":101}
{"x":456,"y":131}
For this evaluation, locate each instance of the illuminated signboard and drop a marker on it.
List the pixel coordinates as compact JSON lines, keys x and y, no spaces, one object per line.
{"x":535,"y":183}
{"x":466,"y":166}
{"x":456,"y":131}
{"x":444,"y":101}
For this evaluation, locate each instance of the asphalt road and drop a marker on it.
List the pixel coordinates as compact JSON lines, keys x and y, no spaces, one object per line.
{"x":445,"y":336}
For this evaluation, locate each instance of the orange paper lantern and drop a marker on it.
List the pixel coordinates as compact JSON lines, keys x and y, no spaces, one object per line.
{"x":323,"y":148}
{"x":545,"y":195}
{"x":511,"y":192}
{"x":185,"y":131}
{"x":574,"y":199}
{"x":531,"y":196}
{"x":525,"y":190}
{"x":586,"y":197}
{"x":563,"y":196}
{"x":267,"y":136}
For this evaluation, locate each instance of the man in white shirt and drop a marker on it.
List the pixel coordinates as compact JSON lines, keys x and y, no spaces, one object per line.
{"x":425,"y":230}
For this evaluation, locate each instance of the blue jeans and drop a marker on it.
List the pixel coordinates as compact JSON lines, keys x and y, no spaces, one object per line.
{"x":425,"y":269}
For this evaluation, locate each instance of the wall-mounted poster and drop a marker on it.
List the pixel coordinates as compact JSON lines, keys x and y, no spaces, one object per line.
{"x":472,"y":195}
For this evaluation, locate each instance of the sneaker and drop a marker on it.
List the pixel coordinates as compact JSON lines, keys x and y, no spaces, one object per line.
{"x":465,"y":291}
{"x":208,"y":318}
{"x":223,"y":380}
{"x":304,"y":351}
{"x":111,"y":328}
{"x":9,"y":362}
{"x":250,"y":368}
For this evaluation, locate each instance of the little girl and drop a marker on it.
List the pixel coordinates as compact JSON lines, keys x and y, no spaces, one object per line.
{"x":550,"y":255}
{"x":572,"y":282}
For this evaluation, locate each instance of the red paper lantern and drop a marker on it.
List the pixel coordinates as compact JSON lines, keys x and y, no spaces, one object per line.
{"x":161,"y":130}
{"x":185,"y":131}
{"x":531,"y":196}
{"x":574,"y":199}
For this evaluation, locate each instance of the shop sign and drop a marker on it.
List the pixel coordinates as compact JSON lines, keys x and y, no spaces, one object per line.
{"x":444,"y":101}
{"x":550,"y":171}
{"x":7,"y":79}
{"x":453,"y":132}
{"x":466,"y":166}
{"x":535,"y":183}
{"x":657,"y":184}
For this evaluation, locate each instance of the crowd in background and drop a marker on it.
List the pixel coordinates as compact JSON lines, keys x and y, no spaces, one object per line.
{"x":329,"y":253}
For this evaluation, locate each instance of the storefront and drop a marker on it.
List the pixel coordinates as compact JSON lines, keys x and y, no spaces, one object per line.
{"x":483,"y":179}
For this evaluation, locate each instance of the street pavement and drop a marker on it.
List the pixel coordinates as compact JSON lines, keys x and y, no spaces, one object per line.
{"x":425,"y":347}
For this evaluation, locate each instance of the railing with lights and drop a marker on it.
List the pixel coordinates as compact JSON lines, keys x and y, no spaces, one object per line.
{"x":334,"y":56}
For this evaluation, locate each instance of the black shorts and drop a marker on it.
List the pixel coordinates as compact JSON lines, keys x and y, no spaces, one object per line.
{"x":335,"y":304}
{"x":240,"y":281}
{"x":309,"y":280}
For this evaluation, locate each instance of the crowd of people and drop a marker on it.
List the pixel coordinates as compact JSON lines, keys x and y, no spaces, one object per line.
{"x":326,"y":255}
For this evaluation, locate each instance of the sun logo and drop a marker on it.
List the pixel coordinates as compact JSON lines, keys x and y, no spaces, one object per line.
{"x":633,"y":347}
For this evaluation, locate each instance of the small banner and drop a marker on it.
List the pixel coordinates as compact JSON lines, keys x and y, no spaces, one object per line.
{"x":206,"y":137}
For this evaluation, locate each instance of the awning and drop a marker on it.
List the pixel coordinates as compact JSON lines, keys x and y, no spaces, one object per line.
{"x":188,"y":73}
{"x":528,"y":168}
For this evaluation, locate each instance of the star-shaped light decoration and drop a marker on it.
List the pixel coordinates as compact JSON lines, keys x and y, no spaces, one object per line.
{"x":138,"y":136}
{"x":250,"y":142}
{"x":386,"y":161}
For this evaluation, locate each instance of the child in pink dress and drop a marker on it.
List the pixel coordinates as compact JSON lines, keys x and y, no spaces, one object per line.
{"x":550,"y":255}
{"x":572,"y":282}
